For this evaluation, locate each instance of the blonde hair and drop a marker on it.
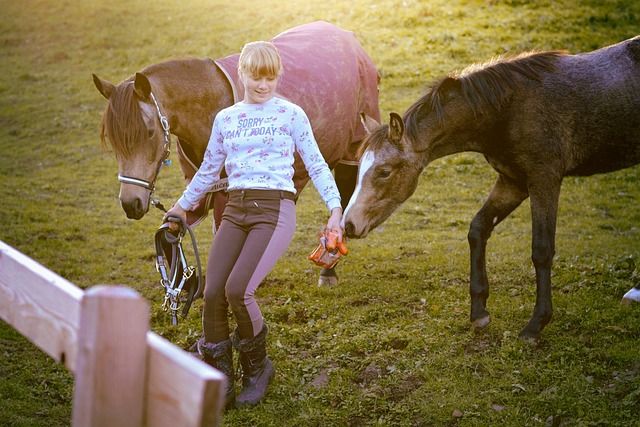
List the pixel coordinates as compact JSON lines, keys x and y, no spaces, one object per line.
{"x":259,"y":59}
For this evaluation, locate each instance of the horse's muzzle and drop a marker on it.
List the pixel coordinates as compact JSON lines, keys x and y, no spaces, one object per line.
{"x":352,"y":232}
{"x":134,"y":209}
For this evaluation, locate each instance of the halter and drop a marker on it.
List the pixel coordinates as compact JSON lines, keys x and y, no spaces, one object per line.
{"x":164,"y":160}
{"x":180,"y":285}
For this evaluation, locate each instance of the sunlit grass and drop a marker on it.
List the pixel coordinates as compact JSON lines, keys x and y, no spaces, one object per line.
{"x":391,"y":345}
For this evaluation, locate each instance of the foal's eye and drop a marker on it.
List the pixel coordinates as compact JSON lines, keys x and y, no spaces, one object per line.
{"x":384,"y":173}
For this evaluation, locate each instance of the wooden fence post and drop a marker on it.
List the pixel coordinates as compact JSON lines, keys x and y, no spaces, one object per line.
{"x":111,"y":367}
{"x":125,"y":374}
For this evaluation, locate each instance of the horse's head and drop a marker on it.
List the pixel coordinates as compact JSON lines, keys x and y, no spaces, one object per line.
{"x":131,"y":123}
{"x":388,"y":174}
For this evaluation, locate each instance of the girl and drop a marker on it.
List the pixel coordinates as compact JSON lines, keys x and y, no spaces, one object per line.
{"x":255,"y":141}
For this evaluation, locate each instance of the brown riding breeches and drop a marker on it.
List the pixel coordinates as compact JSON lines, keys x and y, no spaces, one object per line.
{"x":256,"y":230}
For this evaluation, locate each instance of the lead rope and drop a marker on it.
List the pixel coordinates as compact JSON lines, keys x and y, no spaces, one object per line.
{"x":159,"y":205}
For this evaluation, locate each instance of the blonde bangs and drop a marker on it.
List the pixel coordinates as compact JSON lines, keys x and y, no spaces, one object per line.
{"x":260,"y":59}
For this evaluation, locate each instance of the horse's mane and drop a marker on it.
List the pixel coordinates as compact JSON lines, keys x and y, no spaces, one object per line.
{"x":486,"y":85}
{"x":122,"y":123}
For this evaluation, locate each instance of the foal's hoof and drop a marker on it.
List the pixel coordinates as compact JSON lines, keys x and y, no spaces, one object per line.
{"x":630,"y":297}
{"x":531,"y":334}
{"x":480,"y":323}
{"x":328,"y":281}
{"x":529,"y":340}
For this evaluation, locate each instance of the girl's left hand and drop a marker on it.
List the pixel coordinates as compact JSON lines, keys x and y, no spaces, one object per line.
{"x":333,"y":225}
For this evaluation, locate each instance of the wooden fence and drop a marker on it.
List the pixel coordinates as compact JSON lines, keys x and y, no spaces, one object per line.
{"x":124,"y":374}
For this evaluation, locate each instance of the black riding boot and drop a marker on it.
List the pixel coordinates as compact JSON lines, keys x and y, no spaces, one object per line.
{"x":257,"y":369}
{"x":220,"y":356}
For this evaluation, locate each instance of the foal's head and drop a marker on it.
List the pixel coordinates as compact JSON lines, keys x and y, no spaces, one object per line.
{"x":461,"y":112}
{"x":130,"y":124}
{"x":388,"y":174}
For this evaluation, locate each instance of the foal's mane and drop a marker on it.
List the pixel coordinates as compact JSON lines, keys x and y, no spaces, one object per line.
{"x":483,"y":86}
{"x":122,"y":123}
{"x":373,"y":140}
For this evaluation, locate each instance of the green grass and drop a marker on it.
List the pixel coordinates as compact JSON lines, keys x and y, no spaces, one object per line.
{"x":391,"y":345}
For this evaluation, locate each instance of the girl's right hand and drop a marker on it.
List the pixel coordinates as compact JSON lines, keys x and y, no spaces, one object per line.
{"x":176,"y":210}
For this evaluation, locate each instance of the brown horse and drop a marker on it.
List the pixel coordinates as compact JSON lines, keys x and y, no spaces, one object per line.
{"x":536,"y":118}
{"x":326,"y":72}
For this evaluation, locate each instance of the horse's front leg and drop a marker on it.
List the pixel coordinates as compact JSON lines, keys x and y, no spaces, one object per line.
{"x":544,"y":212}
{"x":505,"y":196}
{"x":328,"y":277}
{"x":346,"y":175}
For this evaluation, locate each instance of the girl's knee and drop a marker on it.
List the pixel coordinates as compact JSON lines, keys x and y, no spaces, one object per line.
{"x":237,"y":298}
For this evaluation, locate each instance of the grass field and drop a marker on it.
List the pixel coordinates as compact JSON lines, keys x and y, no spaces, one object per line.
{"x":391,"y":345}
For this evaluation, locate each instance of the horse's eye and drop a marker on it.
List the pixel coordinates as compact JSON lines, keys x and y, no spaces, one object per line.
{"x":150,"y":133}
{"x":384,"y":173}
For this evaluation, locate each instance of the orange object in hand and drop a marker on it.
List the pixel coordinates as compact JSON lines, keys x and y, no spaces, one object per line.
{"x":328,"y":252}
{"x":332,"y":243}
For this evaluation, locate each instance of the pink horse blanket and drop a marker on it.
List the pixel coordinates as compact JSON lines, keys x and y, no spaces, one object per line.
{"x":328,"y":73}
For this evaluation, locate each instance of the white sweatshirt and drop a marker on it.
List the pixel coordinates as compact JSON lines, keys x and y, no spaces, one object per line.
{"x":256,"y":143}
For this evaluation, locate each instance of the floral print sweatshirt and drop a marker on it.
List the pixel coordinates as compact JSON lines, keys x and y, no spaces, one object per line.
{"x":256,"y":143}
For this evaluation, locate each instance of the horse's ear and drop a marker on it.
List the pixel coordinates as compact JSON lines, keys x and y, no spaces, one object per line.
{"x":396,"y":130}
{"x":368,"y":122}
{"x":141,"y":86}
{"x":104,"y":87}
{"x":449,"y":84}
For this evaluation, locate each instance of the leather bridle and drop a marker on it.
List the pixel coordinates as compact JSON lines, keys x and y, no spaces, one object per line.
{"x":164,"y":160}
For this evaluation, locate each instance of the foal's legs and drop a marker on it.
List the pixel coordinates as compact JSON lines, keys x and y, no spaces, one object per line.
{"x":346,"y":175}
{"x":544,"y":195}
{"x":505,"y":196}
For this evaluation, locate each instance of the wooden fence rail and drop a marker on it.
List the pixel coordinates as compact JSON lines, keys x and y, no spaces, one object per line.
{"x":125,"y":375}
